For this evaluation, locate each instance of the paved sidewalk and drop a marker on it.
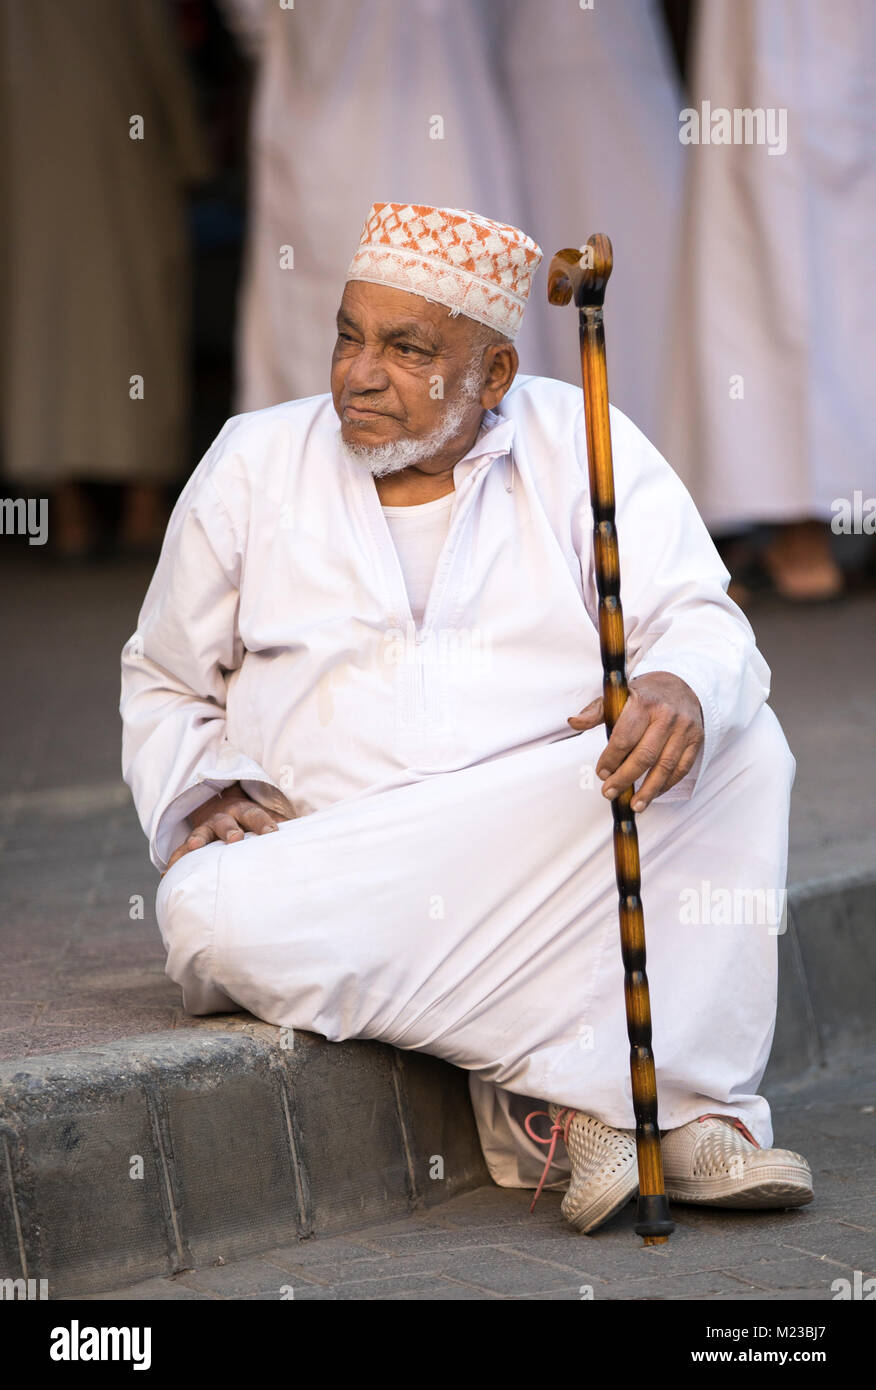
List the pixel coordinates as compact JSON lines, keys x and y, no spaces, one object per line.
{"x":79,"y":966}
{"x":485,"y":1245}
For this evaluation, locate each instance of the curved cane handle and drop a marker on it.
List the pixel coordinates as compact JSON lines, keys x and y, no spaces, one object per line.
{"x":581,"y":274}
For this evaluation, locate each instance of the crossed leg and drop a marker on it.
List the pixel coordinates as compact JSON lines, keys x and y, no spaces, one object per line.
{"x":473,"y":915}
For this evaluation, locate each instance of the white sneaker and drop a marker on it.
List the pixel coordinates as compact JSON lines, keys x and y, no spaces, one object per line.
{"x":715,"y":1160}
{"x":605,"y":1174}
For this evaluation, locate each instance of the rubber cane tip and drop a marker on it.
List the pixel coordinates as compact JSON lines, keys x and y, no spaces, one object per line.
{"x":654,"y":1224}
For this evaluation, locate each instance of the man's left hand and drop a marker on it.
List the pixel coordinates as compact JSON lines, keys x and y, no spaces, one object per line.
{"x":660,"y":728}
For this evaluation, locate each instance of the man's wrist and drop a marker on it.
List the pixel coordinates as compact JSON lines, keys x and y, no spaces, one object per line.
{"x":197,"y":815}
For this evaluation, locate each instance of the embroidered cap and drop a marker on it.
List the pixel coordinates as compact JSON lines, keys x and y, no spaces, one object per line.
{"x":475,"y":266}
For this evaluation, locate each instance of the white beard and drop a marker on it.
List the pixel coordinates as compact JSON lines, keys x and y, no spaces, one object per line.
{"x":383,"y":459}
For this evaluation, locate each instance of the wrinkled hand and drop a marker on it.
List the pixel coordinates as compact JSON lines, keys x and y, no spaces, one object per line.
{"x":225,"y":817}
{"x":660,"y":728}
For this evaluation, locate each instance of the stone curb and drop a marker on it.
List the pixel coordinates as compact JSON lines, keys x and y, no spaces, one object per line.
{"x":189,"y":1148}
{"x":827,"y":962}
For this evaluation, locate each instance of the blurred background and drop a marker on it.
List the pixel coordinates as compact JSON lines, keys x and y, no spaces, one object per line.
{"x":185,"y":182}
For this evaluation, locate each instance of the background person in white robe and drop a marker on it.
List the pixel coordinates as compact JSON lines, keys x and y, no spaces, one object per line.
{"x":593,"y":99}
{"x":396,"y":95}
{"x":550,"y":115}
{"x":408,"y":841}
{"x":769,"y":389}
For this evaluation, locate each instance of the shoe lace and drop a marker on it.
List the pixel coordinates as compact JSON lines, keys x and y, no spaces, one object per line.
{"x":561,"y":1126}
{"x":735,"y":1121}
{"x":558,"y":1127}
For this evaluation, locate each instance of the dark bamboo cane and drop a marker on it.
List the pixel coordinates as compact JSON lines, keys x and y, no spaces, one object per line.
{"x":584,"y":277}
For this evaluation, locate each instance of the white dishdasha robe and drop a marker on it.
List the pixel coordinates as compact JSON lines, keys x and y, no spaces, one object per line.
{"x":593,"y":101}
{"x":768,"y":385}
{"x":447,"y":882}
{"x":396,"y":100}
{"x":468,"y":105}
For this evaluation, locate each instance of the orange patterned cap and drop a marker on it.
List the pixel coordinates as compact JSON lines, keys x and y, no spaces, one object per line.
{"x":477,"y":267}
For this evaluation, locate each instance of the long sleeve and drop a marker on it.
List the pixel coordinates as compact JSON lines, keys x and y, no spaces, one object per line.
{"x":677,"y":615}
{"x":175,"y":753}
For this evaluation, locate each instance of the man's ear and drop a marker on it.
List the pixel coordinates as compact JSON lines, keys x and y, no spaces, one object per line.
{"x":501,"y":361}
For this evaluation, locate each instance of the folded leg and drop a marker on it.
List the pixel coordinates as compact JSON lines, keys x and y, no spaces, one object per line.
{"x":473,"y":915}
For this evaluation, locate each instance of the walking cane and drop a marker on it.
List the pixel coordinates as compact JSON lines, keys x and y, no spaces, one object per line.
{"x":585,"y":276}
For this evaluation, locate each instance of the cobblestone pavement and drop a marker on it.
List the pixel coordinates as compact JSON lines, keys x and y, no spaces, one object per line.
{"x":485,"y":1245}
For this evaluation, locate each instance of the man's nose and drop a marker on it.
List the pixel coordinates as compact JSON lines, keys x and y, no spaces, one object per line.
{"x":366,"y":372}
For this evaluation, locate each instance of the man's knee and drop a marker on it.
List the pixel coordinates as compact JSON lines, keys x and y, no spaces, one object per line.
{"x":763,"y":750}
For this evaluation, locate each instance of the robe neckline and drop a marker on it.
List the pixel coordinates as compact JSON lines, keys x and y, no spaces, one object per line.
{"x":495,"y":440}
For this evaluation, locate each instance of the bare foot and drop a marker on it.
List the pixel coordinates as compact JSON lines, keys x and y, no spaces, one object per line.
{"x":73,"y":531}
{"x":144,"y":518}
{"x":800,"y":562}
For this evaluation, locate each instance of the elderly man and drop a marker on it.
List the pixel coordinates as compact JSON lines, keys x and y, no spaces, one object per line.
{"x":362,"y":726}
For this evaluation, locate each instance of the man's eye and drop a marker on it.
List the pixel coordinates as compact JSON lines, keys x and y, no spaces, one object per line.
{"x":409,"y":349}
{"x":345,"y":338}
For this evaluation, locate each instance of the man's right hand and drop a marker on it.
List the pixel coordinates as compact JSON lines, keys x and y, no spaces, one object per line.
{"x":225,"y":817}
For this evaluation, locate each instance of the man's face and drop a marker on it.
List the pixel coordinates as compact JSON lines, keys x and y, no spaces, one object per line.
{"x":402,"y":370}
